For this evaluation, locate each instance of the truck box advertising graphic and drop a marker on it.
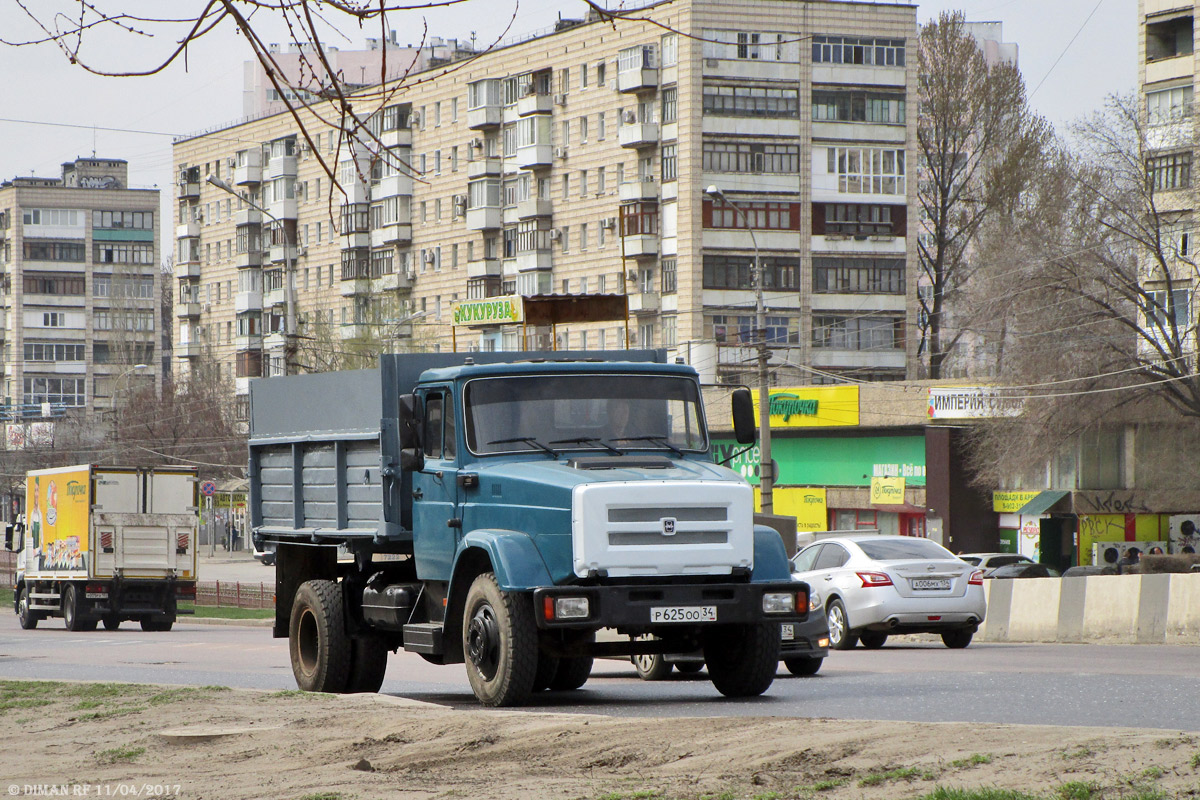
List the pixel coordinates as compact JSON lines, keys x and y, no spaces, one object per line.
{"x":58,"y":519}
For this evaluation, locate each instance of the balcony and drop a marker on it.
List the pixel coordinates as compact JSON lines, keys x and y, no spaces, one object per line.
{"x":535,"y":260}
{"x":640,"y":244}
{"x":187,"y":310}
{"x":250,"y":342}
{"x":247,"y":260}
{"x":247,"y":301}
{"x":356,"y":286}
{"x":189,"y":190}
{"x":355,"y":331}
{"x":534,"y":207}
{"x":638,"y":79}
{"x":187,"y":349}
{"x":394,"y":186}
{"x":247,"y":216}
{"x":393,"y":233}
{"x":393,"y":281}
{"x":484,"y":117}
{"x":274,"y":343}
{"x":399,"y":137}
{"x":279,"y":253}
{"x":483,"y":268}
{"x":274,"y":297}
{"x":534,"y":104}
{"x":283,"y":209}
{"x":485,"y":218}
{"x":638,"y":134}
{"x":281,"y":167}
{"x":249,"y":175}
{"x":187,"y":230}
{"x":484,"y":167}
{"x":644,"y":189}
{"x":533,"y":156}
{"x":644,"y":303}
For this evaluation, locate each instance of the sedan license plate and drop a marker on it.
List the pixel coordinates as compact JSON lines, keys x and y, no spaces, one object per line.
{"x":787,"y":632}
{"x":931,"y":583}
{"x":683,"y":614}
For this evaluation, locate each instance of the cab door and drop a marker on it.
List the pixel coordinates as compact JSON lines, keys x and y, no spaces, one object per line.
{"x":437,"y":521}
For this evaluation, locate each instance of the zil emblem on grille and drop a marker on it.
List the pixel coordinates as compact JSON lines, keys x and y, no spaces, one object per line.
{"x":668,"y":524}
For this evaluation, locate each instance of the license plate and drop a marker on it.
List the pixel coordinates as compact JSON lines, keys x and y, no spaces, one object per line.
{"x":683,"y":614}
{"x":787,"y":632}
{"x":931,"y":583}
{"x":95,"y":595}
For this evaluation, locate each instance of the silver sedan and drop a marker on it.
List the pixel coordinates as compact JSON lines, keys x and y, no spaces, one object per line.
{"x":874,"y":586}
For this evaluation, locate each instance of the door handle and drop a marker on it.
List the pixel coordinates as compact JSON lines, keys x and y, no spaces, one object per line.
{"x":418,"y":494}
{"x":828,"y":577}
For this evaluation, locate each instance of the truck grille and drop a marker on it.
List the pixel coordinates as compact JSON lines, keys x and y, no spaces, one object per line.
{"x":662,"y":528}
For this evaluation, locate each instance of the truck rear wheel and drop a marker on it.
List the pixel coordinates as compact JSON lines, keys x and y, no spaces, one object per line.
{"x":368,"y":665}
{"x":317,"y":640}
{"x":25,"y":615}
{"x":572,"y":673}
{"x":742,"y":659}
{"x":500,"y":643}
{"x":547,"y":668}
{"x":155,"y":624}
{"x":111,"y":623}
{"x":71,"y":608}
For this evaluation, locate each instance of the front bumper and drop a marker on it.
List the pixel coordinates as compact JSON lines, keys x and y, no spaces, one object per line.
{"x":809,"y":639}
{"x":629,"y":606}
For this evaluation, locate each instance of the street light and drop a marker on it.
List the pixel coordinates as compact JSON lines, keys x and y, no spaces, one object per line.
{"x":289,"y":322}
{"x":766,"y":469}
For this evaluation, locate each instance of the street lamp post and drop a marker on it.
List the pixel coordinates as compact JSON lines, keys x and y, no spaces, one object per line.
{"x":117,"y":406}
{"x":289,"y":300}
{"x":766,"y":469}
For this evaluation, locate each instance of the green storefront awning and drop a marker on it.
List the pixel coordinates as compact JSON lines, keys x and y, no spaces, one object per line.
{"x":1043,"y":501}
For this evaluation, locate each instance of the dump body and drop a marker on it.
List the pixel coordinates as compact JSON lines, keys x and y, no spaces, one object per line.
{"x":106,"y":544}
{"x":582,"y":489}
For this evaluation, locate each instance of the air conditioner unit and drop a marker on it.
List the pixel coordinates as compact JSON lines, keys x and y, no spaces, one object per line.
{"x":208,"y":308}
{"x":608,"y":223}
{"x":629,"y":117}
{"x":555,"y":233}
{"x":560,"y":99}
{"x":428,"y":256}
{"x":527,"y":90}
{"x":231,"y":163}
{"x":560,"y":152}
{"x":304,"y":146}
{"x":415,"y":118}
{"x":477,"y":143}
{"x":410,"y":275}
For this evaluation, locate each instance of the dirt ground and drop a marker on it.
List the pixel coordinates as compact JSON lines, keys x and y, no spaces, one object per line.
{"x":110,"y":740}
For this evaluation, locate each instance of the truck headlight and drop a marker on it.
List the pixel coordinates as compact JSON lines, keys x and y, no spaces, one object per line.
{"x":779,"y":603}
{"x":567,"y":608}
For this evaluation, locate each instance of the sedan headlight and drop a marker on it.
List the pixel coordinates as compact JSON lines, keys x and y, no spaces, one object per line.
{"x":814,"y":601}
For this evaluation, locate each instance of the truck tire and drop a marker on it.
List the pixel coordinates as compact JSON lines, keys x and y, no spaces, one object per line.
{"x":840,"y":635}
{"x":499,"y":640}
{"x":26,"y":616}
{"x":547,"y":668}
{"x":572,"y":673}
{"x":368,"y":665}
{"x":317,"y":640}
{"x":71,"y":610}
{"x":157,"y":624}
{"x":742,"y":659}
{"x":803,"y":665}
{"x":689,"y":667}
{"x":111,"y":623}
{"x":651,"y":666}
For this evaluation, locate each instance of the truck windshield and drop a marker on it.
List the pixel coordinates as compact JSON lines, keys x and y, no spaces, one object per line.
{"x":584,"y":412}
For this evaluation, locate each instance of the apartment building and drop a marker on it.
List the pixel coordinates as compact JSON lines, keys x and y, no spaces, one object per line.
{"x":79,"y":290}
{"x":577,"y":162}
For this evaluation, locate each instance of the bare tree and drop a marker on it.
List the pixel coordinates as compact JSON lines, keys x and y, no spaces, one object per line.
{"x":383,"y":323}
{"x":979,"y":145}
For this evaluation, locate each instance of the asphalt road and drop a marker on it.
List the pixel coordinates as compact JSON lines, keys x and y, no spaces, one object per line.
{"x":1142,"y":686}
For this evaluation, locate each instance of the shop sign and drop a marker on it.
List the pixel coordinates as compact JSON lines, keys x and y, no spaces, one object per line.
{"x":1011,"y":502}
{"x":492,"y":311}
{"x":972,"y":402}
{"x":887,"y":491}
{"x":832,"y":461}
{"x":806,"y":504}
{"x":811,"y":406}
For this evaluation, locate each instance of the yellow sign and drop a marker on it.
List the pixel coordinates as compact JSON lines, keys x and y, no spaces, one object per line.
{"x":887,"y":491}
{"x":490,"y":311}
{"x":812,"y":406}
{"x":1011,"y":502}
{"x":58,"y":518}
{"x":805,"y":504}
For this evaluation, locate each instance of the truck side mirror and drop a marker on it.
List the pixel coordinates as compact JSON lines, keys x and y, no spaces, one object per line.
{"x":408,"y":421}
{"x":743,"y":417}
{"x":8,"y":537}
{"x":412,"y":459}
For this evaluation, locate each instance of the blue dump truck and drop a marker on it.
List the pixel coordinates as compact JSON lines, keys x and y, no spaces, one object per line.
{"x":501,"y":509}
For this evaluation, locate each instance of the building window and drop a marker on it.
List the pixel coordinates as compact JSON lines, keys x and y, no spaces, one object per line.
{"x":885,"y":108}
{"x":760,"y":216}
{"x":668,"y":331}
{"x":780,"y":273}
{"x":749,"y":101}
{"x":53,"y":283}
{"x":858,"y":275}
{"x":739,"y":329}
{"x":57,"y":391}
{"x":133,"y":287}
{"x":639,"y":219}
{"x":749,"y":45}
{"x":670,"y":104}
{"x":868,"y":170}
{"x":748,"y":157}
{"x":668,"y":268}
{"x":670,"y":162}
{"x":858,"y":219}
{"x":1163,"y":306}
{"x":66,"y":217}
{"x":858,"y":50}
{"x":126,"y":220}
{"x":1169,"y":104}
{"x":854,"y":332}
{"x":670,"y":50}
{"x":54,"y":319}
{"x":54,"y":251}
{"x":47,"y":351}
{"x":125,"y":253}
{"x":1165,"y":172}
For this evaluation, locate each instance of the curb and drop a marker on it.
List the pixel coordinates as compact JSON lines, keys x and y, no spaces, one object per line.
{"x":245,"y":623}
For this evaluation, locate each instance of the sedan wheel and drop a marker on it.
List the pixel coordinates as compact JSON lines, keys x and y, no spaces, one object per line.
{"x":840,"y":635}
{"x":872,"y":640}
{"x":958,"y":639}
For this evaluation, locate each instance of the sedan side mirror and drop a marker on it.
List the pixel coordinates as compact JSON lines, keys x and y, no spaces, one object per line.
{"x":744,"y":429}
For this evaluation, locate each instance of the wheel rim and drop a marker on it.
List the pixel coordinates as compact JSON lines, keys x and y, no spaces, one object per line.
{"x":23,"y":605}
{"x":646,"y":662}
{"x":68,"y":610}
{"x":306,"y":642}
{"x":483,"y":641}
{"x":837,"y":624}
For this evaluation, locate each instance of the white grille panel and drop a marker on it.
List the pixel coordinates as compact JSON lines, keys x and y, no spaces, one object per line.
{"x":653,"y":527}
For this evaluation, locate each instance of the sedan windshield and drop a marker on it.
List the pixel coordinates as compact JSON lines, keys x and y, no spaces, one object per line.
{"x":584,"y":412}
{"x":911,"y":547}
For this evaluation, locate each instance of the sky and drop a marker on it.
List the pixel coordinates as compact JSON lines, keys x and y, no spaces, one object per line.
{"x":1073,"y":53}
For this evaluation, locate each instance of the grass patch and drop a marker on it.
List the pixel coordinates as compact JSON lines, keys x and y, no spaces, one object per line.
{"x":725,"y":795}
{"x":1196,"y":761}
{"x":827,"y":785}
{"x":876,"y":778}
{"x":7,"y":597}
{"x":119,"y":754}
{"x":1153,"y":773}
{"x":646,"y":794}
{"x":973,"y":760}
{"x":109,"y":713}
{"x":1083,"y":751}
{"x":230,"y":612}
{"x":1077,"y":790}
{"x":323,"y":796}
{"x":944,"y":793}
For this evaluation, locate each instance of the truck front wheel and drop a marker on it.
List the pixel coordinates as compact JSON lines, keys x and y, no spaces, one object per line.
{"x":500,"y":643}
{"x":72,"y":609}
{"x":25,"y":615}
{"x":317,"y":640}
{"x":742,"y":659}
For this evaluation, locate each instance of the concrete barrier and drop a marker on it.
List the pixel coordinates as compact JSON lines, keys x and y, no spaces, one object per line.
{"x":1141,"y":609}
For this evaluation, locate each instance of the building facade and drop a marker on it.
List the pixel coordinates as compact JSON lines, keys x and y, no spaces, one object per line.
{"x":80,"y":299}
{"x":584,"y":174}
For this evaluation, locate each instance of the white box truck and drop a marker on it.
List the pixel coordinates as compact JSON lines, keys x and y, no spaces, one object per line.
{"x":106,"y":544}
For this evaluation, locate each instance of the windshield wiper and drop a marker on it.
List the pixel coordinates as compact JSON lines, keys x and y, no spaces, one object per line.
{"x":589,"y":440}
{"x":657,"y":439}
{"x":527,"y":440}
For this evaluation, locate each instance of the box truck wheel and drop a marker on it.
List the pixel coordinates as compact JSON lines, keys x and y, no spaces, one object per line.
{"x":156,"y":624}
{"x":111,"y":623}
{"x":26,"y":616}
{"x":500,"y":643}
{"x":72,"y":609}
{"x":317,"y":640}
{"x":572,"y":673}
{"x":547,"y":668}
{"x":368,"y":664}
{"x":742,"y":659}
